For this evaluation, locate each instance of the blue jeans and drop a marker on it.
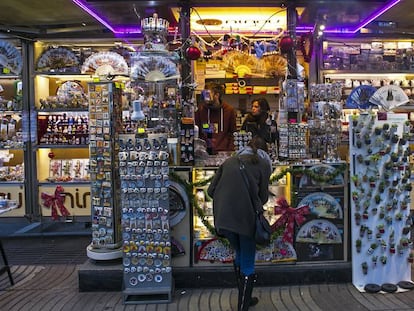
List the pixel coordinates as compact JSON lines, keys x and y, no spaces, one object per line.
{"x":245,"y":249}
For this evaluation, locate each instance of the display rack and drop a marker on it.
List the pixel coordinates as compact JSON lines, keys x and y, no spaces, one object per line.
{"x":380,"y":196}
{"x":146,"y":237}
{"x":105,"y":113}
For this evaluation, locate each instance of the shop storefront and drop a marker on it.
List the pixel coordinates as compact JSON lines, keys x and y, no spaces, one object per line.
{"x":106,"y":135}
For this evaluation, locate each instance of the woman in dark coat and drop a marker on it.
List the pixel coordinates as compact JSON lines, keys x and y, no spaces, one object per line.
{"x":234,"y":215}
{"x":259,"y":123}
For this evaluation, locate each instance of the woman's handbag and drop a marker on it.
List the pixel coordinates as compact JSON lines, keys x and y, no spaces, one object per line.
{"x":263,"y":230}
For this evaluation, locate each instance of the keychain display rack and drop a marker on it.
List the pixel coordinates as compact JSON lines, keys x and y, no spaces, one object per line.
{"x":143,"y":168}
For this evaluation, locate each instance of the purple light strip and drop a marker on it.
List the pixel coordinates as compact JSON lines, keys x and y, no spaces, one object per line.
{"x":115,"y":30}
{"x":300,"y":29}
{"x":363,"y":23}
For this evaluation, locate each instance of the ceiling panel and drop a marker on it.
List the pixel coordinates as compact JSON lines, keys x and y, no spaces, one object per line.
{"x":36,"y":18}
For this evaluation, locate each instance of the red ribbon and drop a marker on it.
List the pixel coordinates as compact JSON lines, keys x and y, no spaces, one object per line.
{"x":289,"y":217}
{"x":55,"y":202}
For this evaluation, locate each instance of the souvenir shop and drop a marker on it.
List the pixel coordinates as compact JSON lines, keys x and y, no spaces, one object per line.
{"x":106,"y":135}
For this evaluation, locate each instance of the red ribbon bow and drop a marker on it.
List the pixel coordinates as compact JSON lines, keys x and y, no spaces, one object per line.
{"x":289,"y":216}
{"x":55,"y":202}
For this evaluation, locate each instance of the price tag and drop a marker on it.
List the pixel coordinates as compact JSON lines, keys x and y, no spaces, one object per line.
{"x":6,"y":70}
{"x":141,"y":130}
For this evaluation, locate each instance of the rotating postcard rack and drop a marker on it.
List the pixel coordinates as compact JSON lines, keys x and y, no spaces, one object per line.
{"x":104,"y":122}
{"x":146,"y":237}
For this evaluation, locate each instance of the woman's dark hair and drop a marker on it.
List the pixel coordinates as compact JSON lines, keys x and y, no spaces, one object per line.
{"x":256,"y":143}
{"x":263,"y":104}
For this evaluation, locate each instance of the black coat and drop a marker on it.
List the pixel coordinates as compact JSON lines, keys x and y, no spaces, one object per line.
{"x":232,"y":206}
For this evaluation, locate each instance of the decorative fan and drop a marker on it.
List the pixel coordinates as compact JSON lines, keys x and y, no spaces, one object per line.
{"x":240,"y":63}
{"x":105,"y":63}
{"x":274,"y":65}
{"x":154,"y":69}
{"x":322,"y":170}
{"x":215,"y":250}
{"x":389,"y":97}
{"x":59,"y":59}
{"x":179,"y":203}
{"x":10,"y":57}
{"x":359,"y":97}
{"x":69,"y":88}
{"x":278,"y":251}
{"x":323,"y":205}
{"x":319,"y":231}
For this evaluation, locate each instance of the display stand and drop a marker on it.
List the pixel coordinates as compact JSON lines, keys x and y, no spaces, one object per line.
{"x":145,"y":219}
{"x":380,"y":199}
{"x":104,"y":120}
{"x":324,"y":235}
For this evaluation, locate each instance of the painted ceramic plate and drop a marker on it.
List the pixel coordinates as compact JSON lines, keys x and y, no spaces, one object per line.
{"x":58,"y":59}
{"x":105,"y":63}
{"x":323,"y":205}
{"x":319,"y":231}
{"x":10,"y":58}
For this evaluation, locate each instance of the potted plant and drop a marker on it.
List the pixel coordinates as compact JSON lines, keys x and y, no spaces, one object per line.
{"x":392,"y":248}
{"x":357,"y":218}
{"x":383,"y":259}
{"x":410,"y":258}
{"x":358,"y":245}
{"x":374,"y":260}
{"x":381,"y":228}
{"x":369,"y":234}
{"x":377,"y":130}
{"x":385,"y":127}
{"x":355,"y":180}
{"x":372,"y":248}
{"x":395,"y":138}
{"x":364,"y":267}
{"x":372,"y":181}
{"x":383,"y":245}
{"x":377,"y":199}
{"x":399,"y":216}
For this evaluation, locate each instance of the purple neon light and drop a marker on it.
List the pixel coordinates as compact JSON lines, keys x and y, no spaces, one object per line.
{"x":115,"y":30}
{"x":299,"y":29}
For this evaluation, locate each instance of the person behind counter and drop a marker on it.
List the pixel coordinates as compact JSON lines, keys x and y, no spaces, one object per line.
{"x":216,"y":120}
{"x":259,"y":123}
{"x":234,"y":215}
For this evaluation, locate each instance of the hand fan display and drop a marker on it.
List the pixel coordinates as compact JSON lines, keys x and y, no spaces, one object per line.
{"x":215,"y":250}
{"x":105,"y":63}
{"x":319,"y":231}
{"x":323,"y":205}
{"x":359,"y":97}
{"x":58,"y":59}
{"x":10,"y":58}
{"x":321,"y":170}
{"x":389,"y":97}
{"x":154,"y":69}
